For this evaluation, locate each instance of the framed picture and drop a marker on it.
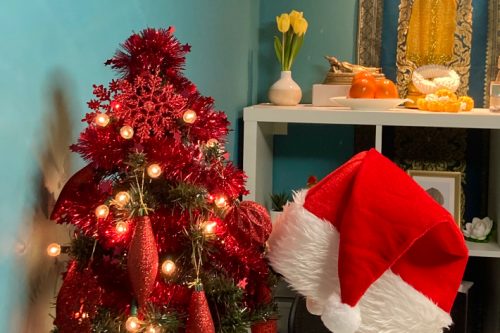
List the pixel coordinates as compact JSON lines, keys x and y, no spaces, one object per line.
{"x":443,"y":186}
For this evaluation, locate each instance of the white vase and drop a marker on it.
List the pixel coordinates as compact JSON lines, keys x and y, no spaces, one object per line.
{"x":274,"y":215}
{"x":285,"y":91}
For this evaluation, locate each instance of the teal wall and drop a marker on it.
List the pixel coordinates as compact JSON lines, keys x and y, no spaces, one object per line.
{"x":59,"y":44}
{"x":49,"y":41}
{"x":313,"y":149}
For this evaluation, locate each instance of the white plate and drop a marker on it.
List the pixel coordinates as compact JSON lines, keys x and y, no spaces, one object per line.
{"x":375,"y":104}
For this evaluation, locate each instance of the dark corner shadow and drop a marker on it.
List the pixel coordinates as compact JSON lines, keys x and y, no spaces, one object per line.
{"x":54,"y":164}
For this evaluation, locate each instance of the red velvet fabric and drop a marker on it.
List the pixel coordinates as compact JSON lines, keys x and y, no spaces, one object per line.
{"x":387,"y":221}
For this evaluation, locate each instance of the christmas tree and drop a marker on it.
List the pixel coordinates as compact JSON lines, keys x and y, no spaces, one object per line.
{"x":161,"y":241}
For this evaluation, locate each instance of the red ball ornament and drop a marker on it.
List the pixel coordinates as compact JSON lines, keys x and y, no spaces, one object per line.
{"x":249,"y":223}
{"x":268,"y":326}
{"x":199,"y":317}
{"x":142,"y":260}
{"x":78,"y":300}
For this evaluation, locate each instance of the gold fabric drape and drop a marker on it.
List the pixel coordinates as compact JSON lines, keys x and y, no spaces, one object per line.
{"x":431,"y":31}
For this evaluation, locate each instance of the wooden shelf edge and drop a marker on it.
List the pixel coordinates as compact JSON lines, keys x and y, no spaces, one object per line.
{"x":489,"y":250}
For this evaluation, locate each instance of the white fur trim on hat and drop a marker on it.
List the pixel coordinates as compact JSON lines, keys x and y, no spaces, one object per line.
{"x":314,"y":307}
{"x":339,"y":317}
{"x":304,"y":249}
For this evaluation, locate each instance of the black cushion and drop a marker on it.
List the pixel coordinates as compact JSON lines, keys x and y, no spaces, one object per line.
{"x":301,"y":321}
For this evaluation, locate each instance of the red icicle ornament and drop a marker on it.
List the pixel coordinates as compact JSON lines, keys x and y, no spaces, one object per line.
{"x":199,"y":317}
{"x":142,"y":260}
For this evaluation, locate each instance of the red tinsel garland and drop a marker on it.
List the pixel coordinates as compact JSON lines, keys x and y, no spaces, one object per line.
{"x":152,"y":50}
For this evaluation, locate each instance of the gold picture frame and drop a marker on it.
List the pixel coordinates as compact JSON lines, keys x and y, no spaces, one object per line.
{"x":369,"y":35}
{"x":444,"y":187}
{"x":492,"y":47}
{"x":462,"y":47}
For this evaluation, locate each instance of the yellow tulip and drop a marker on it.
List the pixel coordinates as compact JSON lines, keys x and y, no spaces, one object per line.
{"x":300,"y":26}
{"x":283,"y":22}
{"x":294,"y":16}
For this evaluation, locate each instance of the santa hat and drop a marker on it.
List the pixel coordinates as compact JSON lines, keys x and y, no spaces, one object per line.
{"x":371,"y":250}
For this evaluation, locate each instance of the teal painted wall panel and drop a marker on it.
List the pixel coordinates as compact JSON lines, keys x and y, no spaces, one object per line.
{"x":49,"y":41}
{"x":308,"y":150}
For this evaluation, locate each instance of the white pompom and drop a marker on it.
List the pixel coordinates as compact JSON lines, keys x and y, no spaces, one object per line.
{"x":314,"y":307}
{"x":339,"y":317}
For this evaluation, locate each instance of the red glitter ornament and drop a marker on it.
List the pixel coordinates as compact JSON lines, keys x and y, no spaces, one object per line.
{"x":199,"y":317}
{"x":268,"y":326}
{"x":142,"y":260}
{"x":78,"y":300}
{"x":83,"y":177}
{"x":249,"y":223}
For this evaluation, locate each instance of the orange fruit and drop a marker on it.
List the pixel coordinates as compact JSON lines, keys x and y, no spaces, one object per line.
{"x":363,"y":75}
{"x":362,"y":88}
{"x":385,"y":88}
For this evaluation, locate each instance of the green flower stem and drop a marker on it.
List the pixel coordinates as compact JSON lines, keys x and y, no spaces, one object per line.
{"x":288,"y":49}
{"x":278,"y":48}
{"x":296,"y":45}
{"x":282,"y":51}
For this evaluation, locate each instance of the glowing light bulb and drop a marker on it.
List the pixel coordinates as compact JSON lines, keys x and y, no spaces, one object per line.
{"x":115,"y":105}
{"x":220,"y":202}
{"x":102,"y":120}
{"x":189,"y":116}
{"x":126,"y":132}
{"x":122,"y":198}
{"x":54,"y":250}
{"x":154,"y":171}
{"x":102,"y":211}
{"x":121,"y":227}
{"x":149,"y":106}
{"x":210,"y":227}
{"x":168,"y":267}
{"x":212,"y":143}
{"x":132,"y":324}
{"x":152,"y":329}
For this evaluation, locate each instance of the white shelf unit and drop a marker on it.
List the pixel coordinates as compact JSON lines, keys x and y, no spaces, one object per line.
{"x":263,"y":121}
